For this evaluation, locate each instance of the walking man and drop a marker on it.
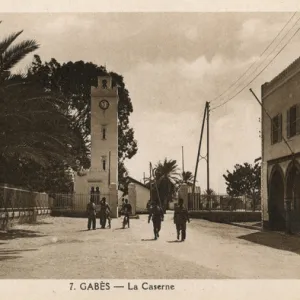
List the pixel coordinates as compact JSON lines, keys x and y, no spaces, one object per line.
{"x":122,"y":206}
{"x":104,"y":207}
{"x":157,"y":215}
{"x":91,"y":211}
{"x":181,"y":216}
{"x":127,"y":210}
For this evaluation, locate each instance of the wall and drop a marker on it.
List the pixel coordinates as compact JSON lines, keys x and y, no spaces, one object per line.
{"x":142,"y":197}
{"x":275,"y":102}
{"x":226,"y":216}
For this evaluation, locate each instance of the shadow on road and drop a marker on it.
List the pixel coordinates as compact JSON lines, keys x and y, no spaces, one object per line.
{"x":41,"y":223}
{"x":175,"y":241}
{"x":86,"y":230}
{"x":274,"y":240}
{"x":148,"y":240}
{"x":6,"y":254}
{"x":255,"y":226}
{"x":19,"y":233}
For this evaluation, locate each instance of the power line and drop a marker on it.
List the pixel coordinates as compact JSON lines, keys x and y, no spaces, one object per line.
{"x":258,"y":73}
{"x":239,"y":78}
{"x":268,"y":55}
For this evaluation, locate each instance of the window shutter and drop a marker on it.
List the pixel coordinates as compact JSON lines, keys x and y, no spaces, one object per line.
{"x":288,"y":124}
{"x":298,"y":118}
{"x":280,"y":128}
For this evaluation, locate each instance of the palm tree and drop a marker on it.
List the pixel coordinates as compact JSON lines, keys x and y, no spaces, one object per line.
{"x":210,"y":197}
{"x":187,"y":178}
{"x":34,"y":124}
{"x":166,"y":179}
{"x":10,"y":54}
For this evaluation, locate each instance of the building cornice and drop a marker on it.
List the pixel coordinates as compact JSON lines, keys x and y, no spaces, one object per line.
{"x":288,"y":73}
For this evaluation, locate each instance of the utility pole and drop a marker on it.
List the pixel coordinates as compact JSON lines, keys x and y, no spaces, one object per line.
{"x":150,"y":181}
{"x":207,"y":156}
{"x":109,"y":163}
{"x":182,"y":159}
{"x":199,"y":149}
{"x":144,"y":177}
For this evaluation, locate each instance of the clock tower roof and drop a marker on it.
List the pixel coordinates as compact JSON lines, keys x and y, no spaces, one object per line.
{"x":105,"y":87}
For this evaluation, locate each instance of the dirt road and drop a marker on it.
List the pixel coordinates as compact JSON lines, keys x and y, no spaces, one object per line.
{"x":62,"y":248}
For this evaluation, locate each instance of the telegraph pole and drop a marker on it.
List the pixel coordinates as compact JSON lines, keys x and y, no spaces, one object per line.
{"x":207,"y":156}
{"x":109,"y":162}
{"x":150,"y":178}
{"x":182,"y":159}
{"x":198,"y":154}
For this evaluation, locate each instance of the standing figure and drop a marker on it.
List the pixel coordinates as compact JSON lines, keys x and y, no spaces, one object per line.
{"x":126,"y":211}
{"x":91,"y":211}
{"x":181,"y":216}
{"x":92,"y":194}
{"x":97,"y":195}
{"x":104,"y":207}
{"x":157,"y":215}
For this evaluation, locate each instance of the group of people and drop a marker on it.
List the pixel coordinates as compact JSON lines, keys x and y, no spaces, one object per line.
{"x":181,"y":217}
{"x":104,"y":214}
{"x":156,"y":213}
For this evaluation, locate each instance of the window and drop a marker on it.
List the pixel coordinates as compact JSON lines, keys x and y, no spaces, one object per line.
{"x":293,"y":121}
{"x":276,"y":130}
{"x":104,"y":163}
{"x":104,"y":84}
{"x":103,"y":130}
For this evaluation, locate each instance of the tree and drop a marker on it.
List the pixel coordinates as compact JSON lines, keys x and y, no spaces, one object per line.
{"x":166,"y":178}
{"x":187,"y":178}
{"x":210,"y":198}
{"x":36,"y":129}
{"x":244,"y":180}
{"x":74,"y":80}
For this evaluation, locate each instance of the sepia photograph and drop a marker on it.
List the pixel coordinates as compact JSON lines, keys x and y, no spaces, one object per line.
{"x":157,"y":145}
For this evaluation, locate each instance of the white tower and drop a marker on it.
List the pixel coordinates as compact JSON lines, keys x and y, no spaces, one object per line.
{"x":104,"y":140}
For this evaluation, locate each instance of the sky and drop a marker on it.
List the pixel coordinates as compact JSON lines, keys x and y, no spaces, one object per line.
{"x":172,"y":64}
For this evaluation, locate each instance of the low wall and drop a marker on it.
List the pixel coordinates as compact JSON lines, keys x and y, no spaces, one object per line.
{"x":9,"y":217}
{"x":227,"y":216}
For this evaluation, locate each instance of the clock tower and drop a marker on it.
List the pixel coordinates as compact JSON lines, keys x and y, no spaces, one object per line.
{"x":104,"y":141}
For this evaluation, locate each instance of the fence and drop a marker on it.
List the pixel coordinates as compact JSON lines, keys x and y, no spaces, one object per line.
{"x":221,"y":203}
{"x":75,"y":202}
{"x":21,"y":204}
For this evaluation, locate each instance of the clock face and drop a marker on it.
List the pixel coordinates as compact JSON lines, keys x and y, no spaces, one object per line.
{"x":104,"y":104}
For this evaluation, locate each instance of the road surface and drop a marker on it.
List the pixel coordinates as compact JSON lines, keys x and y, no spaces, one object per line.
{"x":62,"y":248}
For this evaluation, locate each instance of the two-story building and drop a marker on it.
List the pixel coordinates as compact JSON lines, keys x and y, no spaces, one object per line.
{"x":281,"y":150}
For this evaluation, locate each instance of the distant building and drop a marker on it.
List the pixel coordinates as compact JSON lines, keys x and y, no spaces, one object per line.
{"x":142,"y":195}
{"x":280,"y":164}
